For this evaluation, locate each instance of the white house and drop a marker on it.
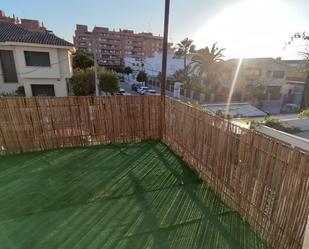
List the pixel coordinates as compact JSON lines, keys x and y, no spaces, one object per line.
{"x":38,"y":61}
{"x":153,"y":65}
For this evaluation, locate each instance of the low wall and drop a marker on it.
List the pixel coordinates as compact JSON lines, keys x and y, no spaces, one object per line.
{"x":284,"y":137}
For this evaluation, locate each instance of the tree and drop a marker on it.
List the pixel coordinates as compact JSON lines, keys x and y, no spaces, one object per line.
{"x":82,"y":60}
{"x":119,"y":69}
{"x":206,"y":62}
{"x":83,"y":82}
{"x":108,"y":82}
{"x":304,"y":114}
{"x":141,"y":77}
{"x":183,"y":49}
{"x":20,"y":91}
{"x":127,"y":70}
{"x":182,"y":76}
{"x":305,"y":98}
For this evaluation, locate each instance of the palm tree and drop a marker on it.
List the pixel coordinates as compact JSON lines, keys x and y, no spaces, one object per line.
{"x":206,"y":61}
{"x":185,"y":48}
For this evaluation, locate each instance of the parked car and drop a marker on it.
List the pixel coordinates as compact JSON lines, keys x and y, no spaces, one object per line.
{"x":290,"y":108}
{"x":151,"y":92}
{"x":136,"y":86}
{"x":142,"y":90}
{"x":121,"y":91}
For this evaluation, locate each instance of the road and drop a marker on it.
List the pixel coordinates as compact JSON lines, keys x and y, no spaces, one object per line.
{"x":127,"y":87}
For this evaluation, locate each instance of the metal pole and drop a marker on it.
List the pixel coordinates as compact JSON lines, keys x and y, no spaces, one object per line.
{"x":164,"y":66}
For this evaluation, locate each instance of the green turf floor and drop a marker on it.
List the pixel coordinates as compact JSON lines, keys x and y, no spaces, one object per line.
{"x":138,"y":195}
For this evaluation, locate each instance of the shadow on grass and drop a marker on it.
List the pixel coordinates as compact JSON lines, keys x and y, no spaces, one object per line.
{"x":138,"y":195}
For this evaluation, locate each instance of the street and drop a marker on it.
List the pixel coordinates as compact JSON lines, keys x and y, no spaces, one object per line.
{"x":127,"y":87}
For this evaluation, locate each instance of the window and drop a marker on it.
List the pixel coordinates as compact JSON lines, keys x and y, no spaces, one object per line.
{"x":8,"y":66}
{"x":278,"y":74}
{"x":43,"y":90}
{"x":254,"y":72}
{"x":37,"y":59}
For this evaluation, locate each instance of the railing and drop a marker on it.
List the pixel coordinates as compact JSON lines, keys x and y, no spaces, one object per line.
{"x":266,"y":181}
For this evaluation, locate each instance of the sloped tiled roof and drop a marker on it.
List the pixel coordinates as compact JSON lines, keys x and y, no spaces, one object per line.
{"x":13,"y":33}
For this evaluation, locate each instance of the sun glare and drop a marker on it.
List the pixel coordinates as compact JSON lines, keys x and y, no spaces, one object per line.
{"x":252,"y":28}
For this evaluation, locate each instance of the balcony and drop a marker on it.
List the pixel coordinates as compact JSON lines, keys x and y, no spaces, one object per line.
{"x":129,"y":172}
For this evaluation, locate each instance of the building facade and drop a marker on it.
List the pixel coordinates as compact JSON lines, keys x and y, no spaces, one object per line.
{"x":259,"y":81}
{"x":112,"y":47}
{"x":153,"y":65}
{"x":29,"y":24}
{"x":39,"y":63}
{"x":294,"y":86}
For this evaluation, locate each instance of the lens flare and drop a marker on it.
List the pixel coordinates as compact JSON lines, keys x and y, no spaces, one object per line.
{"x":233,"y":86}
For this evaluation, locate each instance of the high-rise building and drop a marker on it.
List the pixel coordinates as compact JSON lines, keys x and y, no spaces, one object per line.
{"x":112,"y":47}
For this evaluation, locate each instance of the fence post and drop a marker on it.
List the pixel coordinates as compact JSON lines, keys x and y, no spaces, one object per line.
{"x":306,"y":239}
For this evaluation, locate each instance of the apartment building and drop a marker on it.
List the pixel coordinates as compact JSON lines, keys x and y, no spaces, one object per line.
{"x":37,"y":62}
{"x":29,"y":24}
{"x":112,"y":46}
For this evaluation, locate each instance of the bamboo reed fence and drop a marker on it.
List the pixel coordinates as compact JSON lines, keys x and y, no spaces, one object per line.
{"x":266,"y":181}
{"x":41,"y":123}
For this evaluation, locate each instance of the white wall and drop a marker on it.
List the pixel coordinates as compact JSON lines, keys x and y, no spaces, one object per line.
{"x":294,"y":141}
{"x":153,"y":65}
{"x":60,"y":86}
{"x":56,"y":74}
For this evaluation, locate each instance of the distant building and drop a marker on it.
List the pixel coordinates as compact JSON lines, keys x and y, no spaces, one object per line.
{"x":112,"y":47}
{"x":29,"y":24}
{"x":293,"y":89}
{"x":39,"y":62}
{"x":259,"y":81}
{"x":153,"y":65}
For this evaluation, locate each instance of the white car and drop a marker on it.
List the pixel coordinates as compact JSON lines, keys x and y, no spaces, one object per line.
{"x":152,"y":92}
{"x":142,"y":90}
{"x":122,"y":91}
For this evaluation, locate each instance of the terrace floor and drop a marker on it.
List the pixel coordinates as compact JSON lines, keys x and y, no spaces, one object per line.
{"x":138,"y":195}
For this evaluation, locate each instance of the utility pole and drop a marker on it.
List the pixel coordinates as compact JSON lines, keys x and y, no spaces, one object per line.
{"x":164,"y":67}
{"x":165,"y":43}
{"x":96,"y":72}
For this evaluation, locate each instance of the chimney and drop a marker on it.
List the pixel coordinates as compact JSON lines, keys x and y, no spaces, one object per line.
{"x":2,"y":14}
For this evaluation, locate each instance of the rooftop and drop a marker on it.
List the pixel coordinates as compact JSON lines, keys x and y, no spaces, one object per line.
{"x":12,"y":33}
{"x":134,"y":192}
{"x":136,"y":195}
{"x":237,"y":109}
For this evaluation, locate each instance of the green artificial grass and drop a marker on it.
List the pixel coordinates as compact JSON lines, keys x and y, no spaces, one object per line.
{"x":138,"y":195}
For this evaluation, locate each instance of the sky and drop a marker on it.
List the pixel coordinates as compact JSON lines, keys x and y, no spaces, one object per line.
{"x":246,"y":28}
